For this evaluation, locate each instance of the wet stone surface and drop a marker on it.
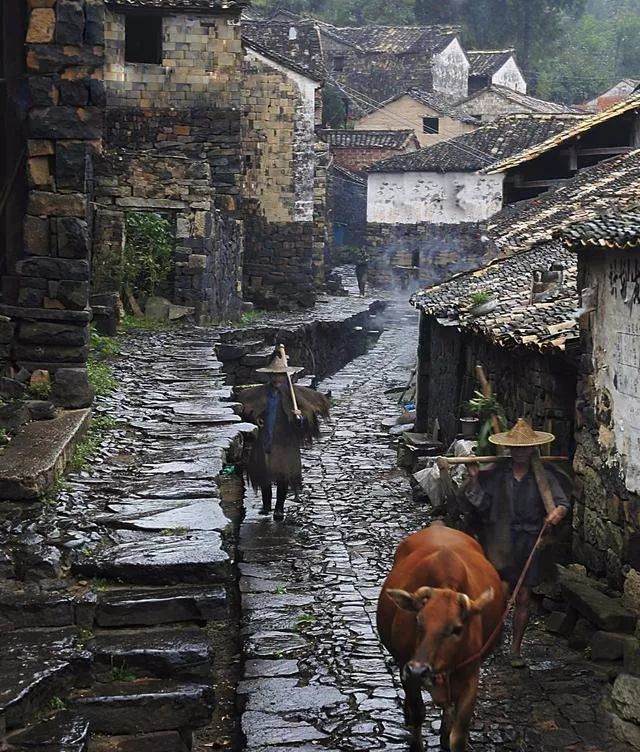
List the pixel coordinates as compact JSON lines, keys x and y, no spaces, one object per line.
{"x":315,"y":674}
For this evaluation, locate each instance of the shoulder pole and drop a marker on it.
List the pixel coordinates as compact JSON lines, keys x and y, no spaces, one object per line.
{"x":283,"y":355}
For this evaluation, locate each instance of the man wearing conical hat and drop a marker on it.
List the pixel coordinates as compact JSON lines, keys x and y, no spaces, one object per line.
{"x":510,"y":504}
{"x":287,"y":417}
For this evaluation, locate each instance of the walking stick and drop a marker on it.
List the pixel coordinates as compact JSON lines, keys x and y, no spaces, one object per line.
{"x":283,"y":355}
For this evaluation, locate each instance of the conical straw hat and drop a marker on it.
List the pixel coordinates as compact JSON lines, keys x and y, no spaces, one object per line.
{"x":277,"y":366}
{"x":521,"y":435}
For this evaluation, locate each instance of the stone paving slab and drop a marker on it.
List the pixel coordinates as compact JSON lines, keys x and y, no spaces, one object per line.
{"x":330,"y":556}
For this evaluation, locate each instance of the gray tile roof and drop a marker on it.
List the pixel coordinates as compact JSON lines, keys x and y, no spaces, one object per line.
{"x":422,"y":40}
{"x":274,"y":39}
{"x":517,"y":314}
{"x":527,"y":103}
{"x":529,"y":237}
{"x":488,"y":62}
{"x":199,"y":6}
{"x":352,"y":139}
{"x":618,"y":230}
{"x":480,"y":148}
{"x":438,"y":102}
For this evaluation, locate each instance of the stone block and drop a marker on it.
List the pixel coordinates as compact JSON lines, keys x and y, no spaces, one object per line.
{"x":626,"y":732}
{"x":97,"y":93}
{"x":42,"y":25}
{"x":70,"y":294}
{"x":632,"y":657}
{"x":57,"y":204}
{"x":40,"y":148}
{"x":581,"y":636}
{"x":49,"y":333}
{"x":70,"y":22}
{"x":74,"y":93}
{"x":66,"y":122}
{"x":27,"y":353}
{"x":36,"y":236}
{"x":71,"y":388}
{"x":626,"y":697}
{"x":43,"y":92}
{"x":73,"y":238}
{"x":561,"y":622}
{"x":39,"y":172}
{"x":95,"y":23}
{"x":609,"y":646}
{"x":57,"y":269}
{"x":71,"y":164}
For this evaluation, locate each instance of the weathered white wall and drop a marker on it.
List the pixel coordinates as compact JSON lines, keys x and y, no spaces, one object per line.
{"x":489,"y":105}
{"x":411,"y":197}
{"x":450,"y":70}
{"x":510,"y":76}
{"x":616,"y":355}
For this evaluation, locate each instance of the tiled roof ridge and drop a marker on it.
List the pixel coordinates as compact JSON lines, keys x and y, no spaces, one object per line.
{"x":281,"y":59}
{"x":619,"y":229}
{"x":588,"y":122}
{"x":374,"y":138}
{"x":198,"y":6}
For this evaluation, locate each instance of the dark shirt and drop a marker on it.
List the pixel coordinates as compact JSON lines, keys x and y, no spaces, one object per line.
{"x":274,"y":398}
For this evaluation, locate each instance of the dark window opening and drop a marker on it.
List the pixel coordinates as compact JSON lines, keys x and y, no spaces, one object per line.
{"x":143,"y":39}
{"x":338,"y":63}
{"x":430,"y":125}
{"x":415,"y":259}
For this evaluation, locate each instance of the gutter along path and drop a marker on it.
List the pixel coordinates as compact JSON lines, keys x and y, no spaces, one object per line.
{"x":315,"y":674}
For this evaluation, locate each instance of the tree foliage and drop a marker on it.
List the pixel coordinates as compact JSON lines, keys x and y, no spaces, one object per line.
{"x":148,"y":253}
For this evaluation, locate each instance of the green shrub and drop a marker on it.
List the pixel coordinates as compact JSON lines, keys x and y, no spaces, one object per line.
{"x":480,"y":297}
{"x":148,"y":253}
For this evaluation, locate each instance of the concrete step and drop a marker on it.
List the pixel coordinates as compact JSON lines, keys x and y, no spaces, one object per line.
{"x":151,"y":606}
{"x":64,"y":732}
{"x":37,"y":666}
{"x":144,"y":706}
{"x":226,"y":351}
{"x":182,"y":652}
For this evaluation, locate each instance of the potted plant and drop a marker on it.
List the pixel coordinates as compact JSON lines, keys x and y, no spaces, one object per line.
{"x":482,"y":301}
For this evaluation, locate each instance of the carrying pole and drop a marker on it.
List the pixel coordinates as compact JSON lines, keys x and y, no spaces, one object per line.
{"x":283,"y":355}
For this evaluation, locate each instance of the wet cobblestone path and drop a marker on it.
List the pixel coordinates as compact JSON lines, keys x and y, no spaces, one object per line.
{"x":316,"y":676}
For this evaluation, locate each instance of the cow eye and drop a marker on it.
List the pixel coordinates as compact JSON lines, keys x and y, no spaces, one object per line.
{"x":456,"y":630}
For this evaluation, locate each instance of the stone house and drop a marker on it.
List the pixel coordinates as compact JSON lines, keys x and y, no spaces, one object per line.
{"x":496,"y":100}
{"x":359,"y":149}
{"x":423,"y":208}
{"x":606,"y":520}
{"x":173,"y":79}
{"x":495,"y":68}
{"x":432,"y":117}
{"x":372,"y":63}
{"x":285,"y":177}
{"x":52,"y":120}
{"x":347,"y":208}
{"x":621,"y":90}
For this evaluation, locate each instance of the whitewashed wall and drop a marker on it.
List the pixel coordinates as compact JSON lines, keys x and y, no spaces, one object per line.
{"x":616,"y":356}
{"x":510,"y":76}
{"x":411,"y":197}
{"x":450,"y":70}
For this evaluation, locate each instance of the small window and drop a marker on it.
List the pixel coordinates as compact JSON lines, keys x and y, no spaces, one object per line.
{"x":430,"y":125}
{"x":293,"y":33}
{"x":143,"y":39}
{"x":338,"y":63}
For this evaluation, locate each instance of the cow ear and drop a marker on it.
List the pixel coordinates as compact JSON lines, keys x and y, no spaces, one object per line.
{"x":403,"y":600}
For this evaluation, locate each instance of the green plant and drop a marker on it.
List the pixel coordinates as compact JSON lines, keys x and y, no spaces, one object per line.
{"x":57,"y":703}
{"x":40,"y":391}
{"x":4,"y":436}
{"x":305,"y":620}
{"x":105,"y":347}
{"x":486,"y":408}
{"x":175,"y":530}
{"x":148,"y":253}
{"x":121,"y":673}
{"x":101,"y":377}
{"x":480,"y":297}
{"x":136,"y":324}
{"x":280,"y":590}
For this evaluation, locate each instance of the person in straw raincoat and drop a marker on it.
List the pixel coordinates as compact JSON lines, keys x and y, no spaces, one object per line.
{"x":285,"y":424}
{"x":511,"y":510}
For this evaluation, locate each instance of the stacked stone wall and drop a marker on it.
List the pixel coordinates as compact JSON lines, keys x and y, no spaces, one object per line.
{"x":347,"y":212}
{"x":440,"y":250}
{"x":47,"y":288}
{"x":357,"y":160}
{"x":209,"y":245}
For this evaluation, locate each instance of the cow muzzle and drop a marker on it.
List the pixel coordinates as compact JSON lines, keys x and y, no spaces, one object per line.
{"x":421,"y":673}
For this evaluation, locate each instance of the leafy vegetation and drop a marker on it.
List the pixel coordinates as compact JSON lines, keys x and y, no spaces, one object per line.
{"x":148,"y":253}
{"x":486,"y":408}
{"x":480,"y":296}
{"x":40,"y":390}
{"x":121,"y":673}
{"x":101,"y":377}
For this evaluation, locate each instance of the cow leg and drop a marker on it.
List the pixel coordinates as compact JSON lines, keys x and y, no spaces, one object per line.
{"x":446,"y":723}
{"x":462,"y":719}
{"x":414,"y":713}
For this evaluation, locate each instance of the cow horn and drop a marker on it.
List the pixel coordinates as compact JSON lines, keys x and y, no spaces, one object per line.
{"x":424,"y":593}
{"x":465,"y":602}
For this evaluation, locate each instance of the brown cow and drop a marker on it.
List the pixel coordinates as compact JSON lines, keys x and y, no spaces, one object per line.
{"x":438,"y":607}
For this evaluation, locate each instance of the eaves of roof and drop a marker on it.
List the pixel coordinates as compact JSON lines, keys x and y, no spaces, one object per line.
{"x":584,"y":125}
{"x":282,"y":60}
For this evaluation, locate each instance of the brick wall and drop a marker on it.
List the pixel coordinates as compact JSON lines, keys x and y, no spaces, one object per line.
{"x":46,"y":290}
{"x":357,"y":160}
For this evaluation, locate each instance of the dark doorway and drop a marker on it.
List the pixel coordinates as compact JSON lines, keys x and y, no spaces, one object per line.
{"x":143,"y":39}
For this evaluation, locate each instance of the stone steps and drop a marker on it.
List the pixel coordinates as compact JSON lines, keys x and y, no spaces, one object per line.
{"x":64,"y":732}
{"x":144,"y":706}
{"x":155,"y":606}
{"x":182,"y":652}
{"x":36,"y":667}
{"x":160,"y":741}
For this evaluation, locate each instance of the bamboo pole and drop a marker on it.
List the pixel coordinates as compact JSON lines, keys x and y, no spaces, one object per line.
{"x":283,"y":355}
{"x":445,"y":461}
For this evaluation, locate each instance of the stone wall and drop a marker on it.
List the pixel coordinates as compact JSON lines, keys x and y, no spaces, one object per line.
{"x":606,"y":520}
{"x":46,"y":290}
{"x":358,"y":159}
{"x":209,"y":245}
{"x":434,"y":251}
{"x":540,"y":388}
{"x":284,"y":185}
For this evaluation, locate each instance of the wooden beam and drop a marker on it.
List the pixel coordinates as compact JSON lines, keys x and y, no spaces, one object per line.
{"x":542,"y":183}
{"x":604,"y":151}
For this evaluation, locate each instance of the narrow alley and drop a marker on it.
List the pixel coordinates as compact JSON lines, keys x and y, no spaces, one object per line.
{"x":316,"y":675}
